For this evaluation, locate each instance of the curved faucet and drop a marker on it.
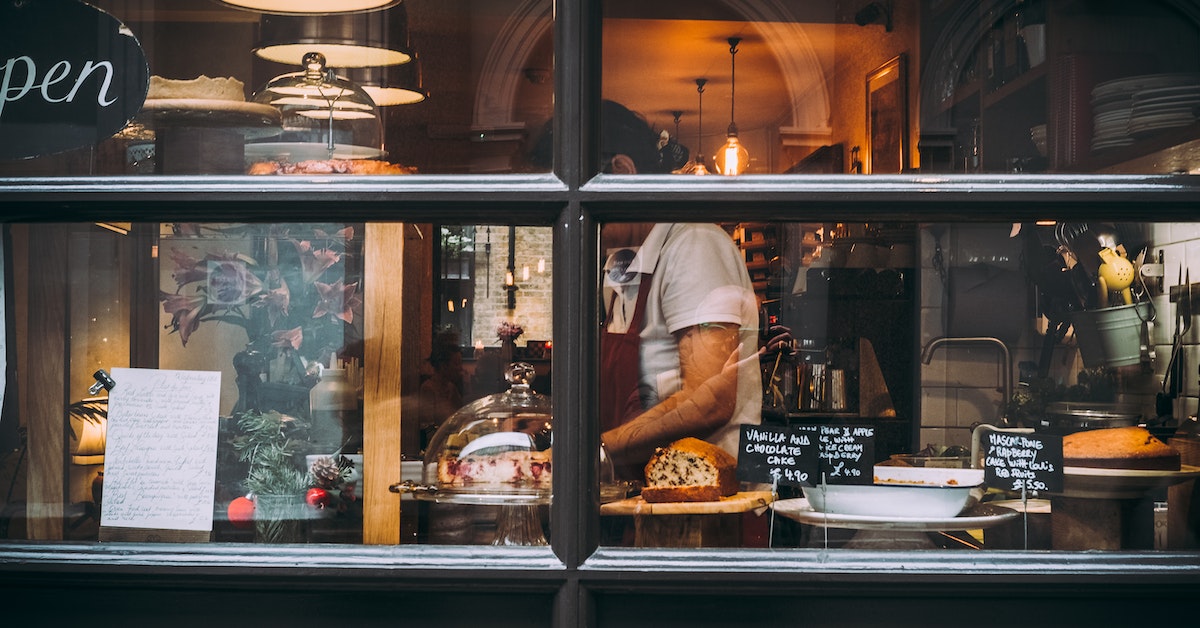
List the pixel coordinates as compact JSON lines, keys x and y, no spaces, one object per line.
{"x":932,"y":345}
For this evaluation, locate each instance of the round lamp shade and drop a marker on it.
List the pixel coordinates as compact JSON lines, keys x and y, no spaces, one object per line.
{"x":391,"y":85}
{"x":310,"y":7}
{"x":352,"y":40}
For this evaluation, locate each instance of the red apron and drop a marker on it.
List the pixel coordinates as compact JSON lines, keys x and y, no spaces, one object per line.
{"x":620,"y":365}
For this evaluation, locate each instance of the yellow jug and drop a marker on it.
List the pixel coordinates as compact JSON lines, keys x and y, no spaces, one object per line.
{"x":1116,"y":275}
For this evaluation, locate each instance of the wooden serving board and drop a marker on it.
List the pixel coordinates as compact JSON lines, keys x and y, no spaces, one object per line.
{"x":739,"y":502}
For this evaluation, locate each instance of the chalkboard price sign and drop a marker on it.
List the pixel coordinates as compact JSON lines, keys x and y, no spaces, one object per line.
{"x":777,"y":454}
{"x":847,"y":454}
{"x":1032,"y":462}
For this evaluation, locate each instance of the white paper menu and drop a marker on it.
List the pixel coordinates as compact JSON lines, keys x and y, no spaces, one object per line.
{"x":161,"y":456}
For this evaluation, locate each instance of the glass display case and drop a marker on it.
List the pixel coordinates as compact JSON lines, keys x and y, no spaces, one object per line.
{"x":324,"y":116}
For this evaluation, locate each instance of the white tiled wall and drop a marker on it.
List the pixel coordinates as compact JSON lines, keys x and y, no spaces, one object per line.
{"x":962,"y":384}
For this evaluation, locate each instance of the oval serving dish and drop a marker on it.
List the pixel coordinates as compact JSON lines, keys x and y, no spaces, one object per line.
{"x":900,"y":492}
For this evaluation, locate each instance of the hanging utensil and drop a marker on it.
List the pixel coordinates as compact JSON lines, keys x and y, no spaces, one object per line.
{"x":1172,"y":378}
{"x":1082,"y":252}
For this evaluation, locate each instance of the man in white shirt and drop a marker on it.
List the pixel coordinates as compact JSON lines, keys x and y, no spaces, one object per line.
{"x":685,"y":307}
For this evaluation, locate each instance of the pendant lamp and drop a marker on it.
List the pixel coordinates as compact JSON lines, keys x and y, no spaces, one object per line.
{"x":696,"y":164}
{"x":391,"y":85}
{"x":673,"y":154}
{"x":310,"y":7}
{"x":732,"y":158}
{"x":347,"y":40}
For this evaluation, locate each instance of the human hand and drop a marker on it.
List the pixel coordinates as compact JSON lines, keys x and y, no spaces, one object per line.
{"x":780,"y":340}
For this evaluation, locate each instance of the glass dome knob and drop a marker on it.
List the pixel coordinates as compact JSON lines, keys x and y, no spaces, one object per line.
{"x":314,"y":67}
{"x":520,"y":375}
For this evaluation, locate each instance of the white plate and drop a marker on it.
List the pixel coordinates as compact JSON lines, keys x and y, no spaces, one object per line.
{"x":983,"y":516}
{"x":1132,"y":84}
{"x":252,"y":120}
{"x":1167,"y":91}
{"x":302,"y":151}
{"x":1121,"y":483}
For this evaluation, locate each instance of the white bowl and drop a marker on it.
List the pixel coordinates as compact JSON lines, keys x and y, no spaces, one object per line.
{"x":913,"y":493}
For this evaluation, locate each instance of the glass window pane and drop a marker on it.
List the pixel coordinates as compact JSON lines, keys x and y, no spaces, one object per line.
{"x":1031,"y":86}
{"x":246,"y":349}
{"x":422,"y":87}
{"x":888,"y":346}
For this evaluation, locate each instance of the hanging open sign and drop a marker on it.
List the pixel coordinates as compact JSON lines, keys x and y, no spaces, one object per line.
{"x":71,"y":76}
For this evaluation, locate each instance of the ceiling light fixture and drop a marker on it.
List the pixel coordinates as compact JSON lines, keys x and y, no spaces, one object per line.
{"x":347,"y":40}
{"x":310,"y":7}
{"x":673,"y":154}
{"x":696,"y":164}
{"x":732,"y":158}
{"x":393,"y":84}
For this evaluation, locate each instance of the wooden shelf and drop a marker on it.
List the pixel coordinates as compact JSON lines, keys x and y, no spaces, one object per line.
{"x":1015,"y":86}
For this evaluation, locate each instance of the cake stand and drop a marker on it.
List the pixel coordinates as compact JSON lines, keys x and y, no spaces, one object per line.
{"x":1108,"y":509}
{"x":518,"y":511}
{"x":202,"y":136}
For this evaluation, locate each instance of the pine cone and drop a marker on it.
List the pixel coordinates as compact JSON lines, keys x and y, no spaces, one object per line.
{"x":326,"y":472}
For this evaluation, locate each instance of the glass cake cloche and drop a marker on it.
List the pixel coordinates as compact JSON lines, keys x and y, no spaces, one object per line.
{"x":495,"y":449}
{"x":325,"y":116}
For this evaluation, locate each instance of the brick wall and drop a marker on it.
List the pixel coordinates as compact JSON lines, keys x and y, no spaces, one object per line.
{"x":533,"y":296}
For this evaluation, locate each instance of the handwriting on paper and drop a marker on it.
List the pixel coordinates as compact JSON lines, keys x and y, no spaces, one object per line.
{"x":160,"y":459}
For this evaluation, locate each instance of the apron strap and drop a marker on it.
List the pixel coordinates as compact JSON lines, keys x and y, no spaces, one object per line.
{"x":620,"y":360}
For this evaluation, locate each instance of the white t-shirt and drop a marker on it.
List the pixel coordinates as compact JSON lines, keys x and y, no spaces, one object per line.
{"x":697,"y":276}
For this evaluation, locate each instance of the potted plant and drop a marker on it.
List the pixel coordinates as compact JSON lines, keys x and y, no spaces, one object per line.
{"x":268,"y":443}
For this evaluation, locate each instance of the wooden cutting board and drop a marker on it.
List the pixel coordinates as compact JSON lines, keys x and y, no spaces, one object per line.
{"x":739,"y":502}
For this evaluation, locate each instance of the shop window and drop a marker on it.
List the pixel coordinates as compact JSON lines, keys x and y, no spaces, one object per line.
{"x":243,"y":351}
{"x":1026,"y":337}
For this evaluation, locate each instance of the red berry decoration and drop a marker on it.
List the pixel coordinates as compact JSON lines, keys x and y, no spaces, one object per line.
{"x":241,"y":512}
{"x":317,"y":498}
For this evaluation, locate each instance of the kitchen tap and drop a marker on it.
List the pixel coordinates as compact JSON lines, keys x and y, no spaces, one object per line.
{"x":932,"y":345}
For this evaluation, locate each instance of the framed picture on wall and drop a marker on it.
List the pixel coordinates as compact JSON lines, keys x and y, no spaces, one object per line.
{"x":887,"y":118}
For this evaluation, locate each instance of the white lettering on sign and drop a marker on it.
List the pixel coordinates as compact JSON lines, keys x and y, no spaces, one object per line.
{"x":10,"y":92}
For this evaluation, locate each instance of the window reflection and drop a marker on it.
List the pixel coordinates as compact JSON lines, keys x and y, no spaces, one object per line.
{"x":438,"y":89}
{"x":1029,"y":86}
{"x":1033,"y":86}
{"x":282,"y":319}
{"x":1014,"y":330}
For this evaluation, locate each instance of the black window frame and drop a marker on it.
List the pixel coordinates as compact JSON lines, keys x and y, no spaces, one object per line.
{"x":582,"y":582}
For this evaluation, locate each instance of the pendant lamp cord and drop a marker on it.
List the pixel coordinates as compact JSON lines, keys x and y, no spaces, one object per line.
{"x":733,"y":44}
{"x":700,"y":116}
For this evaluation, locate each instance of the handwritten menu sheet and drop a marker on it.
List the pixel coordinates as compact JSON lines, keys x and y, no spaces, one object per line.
{"x":1033,"y":462}
{"x":161,"y":455}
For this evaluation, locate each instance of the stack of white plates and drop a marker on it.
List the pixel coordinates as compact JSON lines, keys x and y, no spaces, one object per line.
{"x":1164,"y":108}
{"x":1126,"y":108}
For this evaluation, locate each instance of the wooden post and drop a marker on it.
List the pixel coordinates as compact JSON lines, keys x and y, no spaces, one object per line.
{"x":44,"y":380}
{"x":383,"y":253}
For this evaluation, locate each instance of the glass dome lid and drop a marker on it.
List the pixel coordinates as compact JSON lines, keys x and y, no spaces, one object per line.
{"x":495,"y":450}
{"x":325,"y":116}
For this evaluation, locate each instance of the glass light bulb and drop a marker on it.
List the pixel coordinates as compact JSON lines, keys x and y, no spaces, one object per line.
{"x":732,"y":158}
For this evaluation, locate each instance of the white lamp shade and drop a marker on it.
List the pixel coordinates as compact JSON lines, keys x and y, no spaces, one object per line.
{"x":391,"y":85}
{"x":353,"y":40}
{"x":310,"y":7}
